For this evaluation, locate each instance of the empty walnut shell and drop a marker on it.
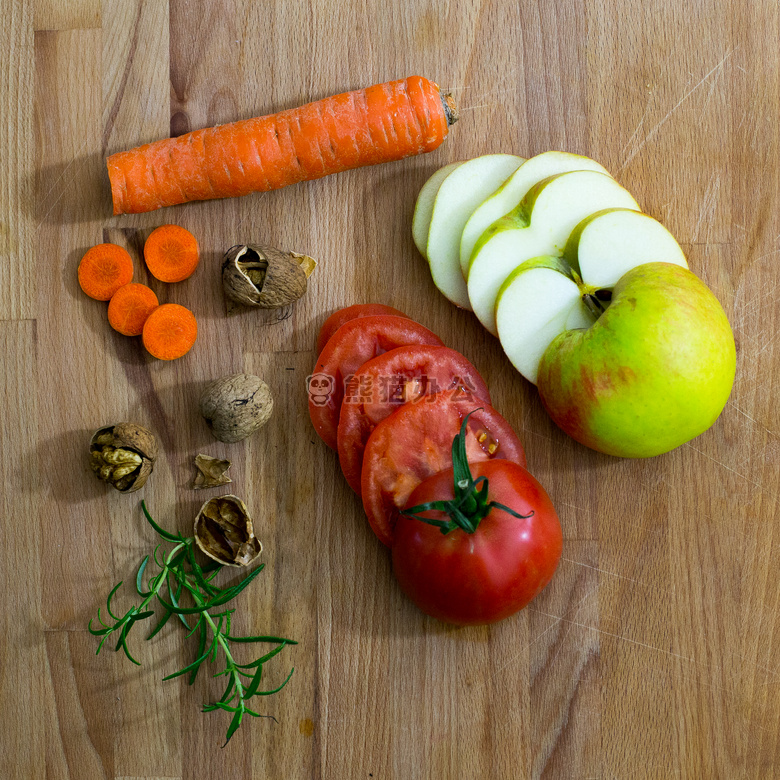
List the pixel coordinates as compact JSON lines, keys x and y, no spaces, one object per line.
{"x":224,"y":532}
{"x":262,"y":276}
{"x":210,"y":472}
{"x":123,"y":455}
{"x":235,"y":406}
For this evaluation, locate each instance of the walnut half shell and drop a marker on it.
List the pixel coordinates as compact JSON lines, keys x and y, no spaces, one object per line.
{"x":123,"y":455}
{"x":224,"y":532}
{"x":262,"y":276}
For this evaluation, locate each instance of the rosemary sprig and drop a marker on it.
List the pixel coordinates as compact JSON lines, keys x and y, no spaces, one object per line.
{"x":179,"y":574}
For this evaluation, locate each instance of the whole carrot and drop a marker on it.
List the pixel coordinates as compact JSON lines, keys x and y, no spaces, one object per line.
{"x":374,"y":125}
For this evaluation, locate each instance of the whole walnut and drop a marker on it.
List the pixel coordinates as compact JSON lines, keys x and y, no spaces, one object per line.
{"x":235,"y":406}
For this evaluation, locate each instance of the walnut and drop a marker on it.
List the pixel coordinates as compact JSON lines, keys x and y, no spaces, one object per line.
{"x":235,"y":406}
{"x":123,"y":455}
{"x":261,"y":276}
{"x":224,"y":532}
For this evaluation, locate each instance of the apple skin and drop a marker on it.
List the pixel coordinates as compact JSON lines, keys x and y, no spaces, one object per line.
{"x":653,"y":372}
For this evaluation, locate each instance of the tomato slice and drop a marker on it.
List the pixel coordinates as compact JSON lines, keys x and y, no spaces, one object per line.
{"x":354,"y":343}
{"x":403,"y":375}
{"x":342,"y":316}
{"x":415,"y":442}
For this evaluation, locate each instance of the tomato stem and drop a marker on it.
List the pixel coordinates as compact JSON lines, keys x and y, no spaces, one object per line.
{"x":471,"y":503}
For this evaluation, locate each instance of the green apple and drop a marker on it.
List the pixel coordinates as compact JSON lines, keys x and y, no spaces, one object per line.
{"x":651,"y":373}
{"x":459,"y":193}
{"x":509,"y":195}
{"x":423,"y":208}
{"x":547,"y":295}
{"x":540,"y":225}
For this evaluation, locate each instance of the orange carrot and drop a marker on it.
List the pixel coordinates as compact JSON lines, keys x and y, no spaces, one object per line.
{"x":374,"y":125}
{"x":171,"y":253}
{"x":130,"y":307}
{"x":170,"y":331}
{"x":103,"y":270}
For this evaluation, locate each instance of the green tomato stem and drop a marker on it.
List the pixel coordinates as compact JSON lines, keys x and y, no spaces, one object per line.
{"x":471,"y":505}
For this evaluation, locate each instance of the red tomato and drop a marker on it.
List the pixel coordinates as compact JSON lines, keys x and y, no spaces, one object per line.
{"x":402,"y":375}
{"x":353,"y":344}
{"x":415,"y":442}
{"x":342,"y":316}
{"x":485,"y":576}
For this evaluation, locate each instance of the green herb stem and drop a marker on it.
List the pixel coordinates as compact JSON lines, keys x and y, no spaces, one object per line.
{"x":179,"y":571}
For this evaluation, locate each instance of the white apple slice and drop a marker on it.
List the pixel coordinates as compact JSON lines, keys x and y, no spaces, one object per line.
{"x":609,"y":243}
{"x":539,"y":300}
{"x":540,"y":225}
{"x":508,"y":196}
{"x":547,"y":295}
{"x":423,"y":208}
{"x":458,"y":195}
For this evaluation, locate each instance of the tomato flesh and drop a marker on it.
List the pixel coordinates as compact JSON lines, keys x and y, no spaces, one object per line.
{"x":342,"y":316}
{"x":484,"y":577}
{"x":415,"y":442}
{"x":353,"y":344}
{"x":403,"y":375}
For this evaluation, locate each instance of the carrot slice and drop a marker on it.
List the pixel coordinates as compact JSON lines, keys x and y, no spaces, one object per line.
{"x":171,"y":253}
{"x":374,"y":125}
{"x":130,"y":307}
{"x":103,"y":270}
{"x":170,"y":331}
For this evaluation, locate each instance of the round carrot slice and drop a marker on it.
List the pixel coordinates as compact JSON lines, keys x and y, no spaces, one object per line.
{"x":403,"y":375}
{"x":103,"y":270}
{"x":170,"y":331}
{"x":171,"y":253}
{"x":342,"y":316}
{"x":130,"y":307}
{"x":351,"y":345}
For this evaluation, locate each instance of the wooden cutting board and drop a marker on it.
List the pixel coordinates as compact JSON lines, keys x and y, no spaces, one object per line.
{"x":655,"y":651}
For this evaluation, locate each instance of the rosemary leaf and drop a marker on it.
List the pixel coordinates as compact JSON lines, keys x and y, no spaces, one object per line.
{"x":140,"y":576}
{"x":240,"y":639}
{"x":163,"y":620}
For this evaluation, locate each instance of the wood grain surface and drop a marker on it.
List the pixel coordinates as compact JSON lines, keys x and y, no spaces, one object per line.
{"x":655,"y":651}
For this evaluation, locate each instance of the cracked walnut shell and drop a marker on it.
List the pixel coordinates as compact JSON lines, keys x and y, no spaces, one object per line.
{"x":123,"y":455}
{"x":224,"y":532}
{"x":262,"y":276}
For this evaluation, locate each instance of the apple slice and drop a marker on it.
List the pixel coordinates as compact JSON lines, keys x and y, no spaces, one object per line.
{"x":539,"y":300}
{"x":508,"y":196}
{"x":540,"y":225}
{"x":547,"y":295}
{"x":609,"y":243}
{"x":458,"y":195}
{"x":423,"y":208}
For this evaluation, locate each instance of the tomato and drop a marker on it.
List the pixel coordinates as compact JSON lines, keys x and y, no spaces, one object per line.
{"x":338,"y":318}
{"x":481,"y":577}
{"x":354,"y":343}
{"x":415,"y":442}
{"x":403,"y":375}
